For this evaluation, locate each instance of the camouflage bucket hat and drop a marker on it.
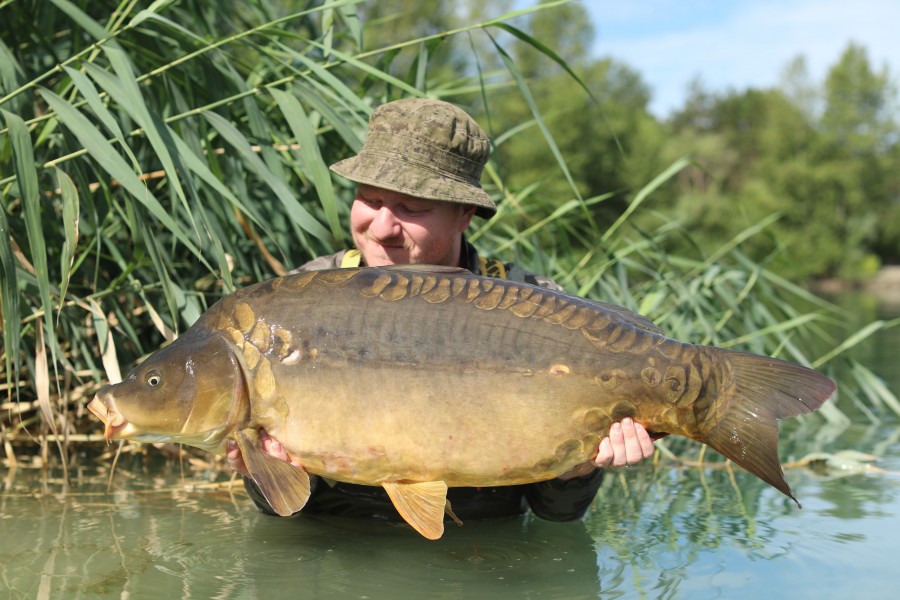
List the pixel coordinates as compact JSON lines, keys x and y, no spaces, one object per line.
{"x":425,"y":148}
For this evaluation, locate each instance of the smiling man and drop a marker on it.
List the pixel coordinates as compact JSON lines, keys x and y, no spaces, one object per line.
{"x":418,"y":186}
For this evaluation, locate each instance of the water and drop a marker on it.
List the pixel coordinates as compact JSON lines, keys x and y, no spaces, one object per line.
{"x":655,"y":531}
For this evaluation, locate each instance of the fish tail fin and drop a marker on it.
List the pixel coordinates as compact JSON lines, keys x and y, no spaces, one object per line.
{"x":765,"y":390}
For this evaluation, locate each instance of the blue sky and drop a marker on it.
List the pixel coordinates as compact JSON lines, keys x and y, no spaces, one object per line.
{"x":736,"y":44}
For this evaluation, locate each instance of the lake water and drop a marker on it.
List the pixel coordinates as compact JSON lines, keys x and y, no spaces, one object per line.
{"x":658,"y":530}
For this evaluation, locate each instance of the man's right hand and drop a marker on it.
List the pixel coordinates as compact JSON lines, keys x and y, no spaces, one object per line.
{"x":269,"y":445}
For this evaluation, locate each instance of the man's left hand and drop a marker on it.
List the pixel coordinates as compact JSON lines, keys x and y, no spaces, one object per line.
{"x":628,"y":443}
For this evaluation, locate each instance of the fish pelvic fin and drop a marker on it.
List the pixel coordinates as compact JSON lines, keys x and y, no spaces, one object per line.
{"x":421,"y":504}
{"x":766,"y":390}
{"x":285,"y":486}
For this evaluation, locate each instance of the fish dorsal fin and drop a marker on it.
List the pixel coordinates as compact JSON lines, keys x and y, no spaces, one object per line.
{"x":285,"y":486}
{"x":421,"y":504}
{"x":424,"y":268}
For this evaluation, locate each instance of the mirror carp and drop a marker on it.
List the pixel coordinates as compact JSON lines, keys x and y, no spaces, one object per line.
{"x":419,"y":378}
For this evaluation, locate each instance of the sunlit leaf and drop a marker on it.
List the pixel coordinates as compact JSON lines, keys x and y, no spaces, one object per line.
{"x":106,"y":343}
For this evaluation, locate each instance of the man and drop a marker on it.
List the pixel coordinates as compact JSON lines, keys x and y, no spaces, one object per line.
{"x":418,"y":187}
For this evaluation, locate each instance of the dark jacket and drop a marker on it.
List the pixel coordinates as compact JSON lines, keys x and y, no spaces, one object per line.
{"x":554,"y":500}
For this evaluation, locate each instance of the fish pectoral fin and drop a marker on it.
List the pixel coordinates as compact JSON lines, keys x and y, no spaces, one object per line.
{"x":421,"y":504}
{"x":285,"y":486}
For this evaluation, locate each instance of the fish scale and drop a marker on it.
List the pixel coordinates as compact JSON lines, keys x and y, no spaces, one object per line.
{"x":417,"y":378}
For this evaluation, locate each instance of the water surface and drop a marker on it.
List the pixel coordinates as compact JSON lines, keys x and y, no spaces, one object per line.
{"x":659,"y":530}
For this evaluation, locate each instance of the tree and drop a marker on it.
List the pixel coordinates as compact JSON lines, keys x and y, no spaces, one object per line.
{"x":860,"y":106}
{"x":860,"y":136}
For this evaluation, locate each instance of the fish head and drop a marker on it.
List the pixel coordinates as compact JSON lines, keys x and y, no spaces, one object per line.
{"x":192,"y":392}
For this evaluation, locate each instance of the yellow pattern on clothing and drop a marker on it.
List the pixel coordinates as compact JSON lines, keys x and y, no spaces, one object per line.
{"x":352,"y":258}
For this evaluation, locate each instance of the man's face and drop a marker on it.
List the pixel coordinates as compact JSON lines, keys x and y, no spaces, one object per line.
{"x":392,"y":228}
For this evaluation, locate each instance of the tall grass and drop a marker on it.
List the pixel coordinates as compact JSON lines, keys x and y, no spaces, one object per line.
{"x":152,"y":160}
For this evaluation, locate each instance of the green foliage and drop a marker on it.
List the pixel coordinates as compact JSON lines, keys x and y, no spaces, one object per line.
{"x":154,"y":159}
{"x":830,"y":174}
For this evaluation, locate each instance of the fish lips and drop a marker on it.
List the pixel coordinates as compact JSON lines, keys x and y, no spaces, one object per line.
{"x":103,"y":406}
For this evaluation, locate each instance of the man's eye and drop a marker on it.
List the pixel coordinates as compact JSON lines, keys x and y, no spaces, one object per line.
{"x":413,"y":210}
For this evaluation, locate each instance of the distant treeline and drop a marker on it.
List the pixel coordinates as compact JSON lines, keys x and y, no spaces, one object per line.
{"x":812,"y":169}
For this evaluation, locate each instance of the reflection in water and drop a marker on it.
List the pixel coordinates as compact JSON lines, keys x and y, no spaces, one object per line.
{"x":176,"y":544}
{"x":699,"y":533}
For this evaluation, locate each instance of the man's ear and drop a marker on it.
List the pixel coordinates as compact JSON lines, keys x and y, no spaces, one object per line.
{"x":468,"y":211}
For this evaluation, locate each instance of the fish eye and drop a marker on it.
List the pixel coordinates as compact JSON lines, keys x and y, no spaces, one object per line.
{"x":154,"y":379}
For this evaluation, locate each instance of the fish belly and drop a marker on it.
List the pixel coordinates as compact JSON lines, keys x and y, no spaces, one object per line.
{"x":370,"y":389}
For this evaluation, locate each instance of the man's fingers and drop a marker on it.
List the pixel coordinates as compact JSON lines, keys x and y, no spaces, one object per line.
{"x":617,"y":441}
{"x":269,"y":445}
{"x":273,"y":447}
{"x":234,"y":458}
{"x":628,"y":443}
{"x":604,"y":454}
{"x":633,"y":452}
{"x":645,"y":440}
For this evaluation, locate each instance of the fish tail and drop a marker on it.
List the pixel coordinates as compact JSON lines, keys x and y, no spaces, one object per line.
{"x":744,"y":426}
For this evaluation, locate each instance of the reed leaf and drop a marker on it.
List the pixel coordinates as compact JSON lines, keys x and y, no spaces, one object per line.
{"x":535,"y":111}
{"x":9,"y":304}
{"x":70,"y":216}
{"x":108,"y":159}
{"x":311,"y":158}
{"x":26,"y":178}
{"x":300,"y":215}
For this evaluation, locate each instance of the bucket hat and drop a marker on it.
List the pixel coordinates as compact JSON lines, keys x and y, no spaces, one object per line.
{"x":426,"y":148}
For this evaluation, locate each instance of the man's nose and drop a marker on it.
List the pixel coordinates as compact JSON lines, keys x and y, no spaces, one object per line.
{"x":385,"y":225}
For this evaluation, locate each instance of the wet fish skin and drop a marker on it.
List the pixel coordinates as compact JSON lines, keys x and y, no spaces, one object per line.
{"x":413,"y":378}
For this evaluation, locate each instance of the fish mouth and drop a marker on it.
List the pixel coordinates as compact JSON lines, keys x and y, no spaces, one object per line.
{"x":115,"y":425}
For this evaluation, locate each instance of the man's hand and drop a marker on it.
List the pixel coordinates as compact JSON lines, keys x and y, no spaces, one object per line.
{"x":628,"y":443}
{"x":270,"y":446}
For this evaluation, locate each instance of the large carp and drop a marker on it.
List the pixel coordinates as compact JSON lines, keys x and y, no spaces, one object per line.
{"x":419,"y":378}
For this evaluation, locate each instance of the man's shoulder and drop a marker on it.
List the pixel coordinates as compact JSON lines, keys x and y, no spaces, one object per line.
{"x":491,"y":267}
{"x":329,"y":261}
{"x":516,"y":273}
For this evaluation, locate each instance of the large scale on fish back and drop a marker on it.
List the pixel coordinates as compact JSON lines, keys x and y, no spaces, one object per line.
{"x":419,"y":378}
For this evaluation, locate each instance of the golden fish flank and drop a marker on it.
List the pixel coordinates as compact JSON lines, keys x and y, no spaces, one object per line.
{"x":650,"y":376}
{"x":559,"y":369}
{"x":549,"y":373}
{"x":610,"y":379}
